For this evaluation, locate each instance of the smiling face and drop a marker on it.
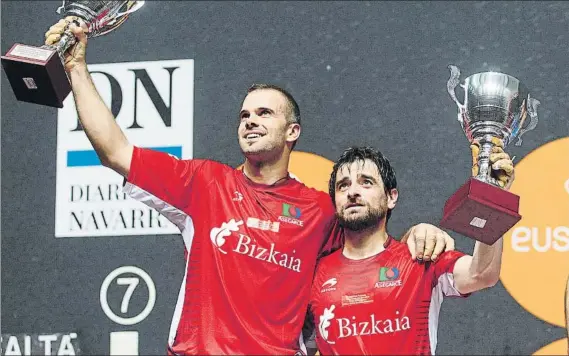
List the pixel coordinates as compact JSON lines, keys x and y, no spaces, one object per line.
{"x":265,"y":127}
{"x":360,"y":196}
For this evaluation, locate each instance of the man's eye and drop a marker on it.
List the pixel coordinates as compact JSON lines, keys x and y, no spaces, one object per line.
{"x":368,"y":182}
{"x":265,"y":113}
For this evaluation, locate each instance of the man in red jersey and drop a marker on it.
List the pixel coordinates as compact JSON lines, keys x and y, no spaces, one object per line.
{"x":252,"y":236}
{"x":368,"y":297}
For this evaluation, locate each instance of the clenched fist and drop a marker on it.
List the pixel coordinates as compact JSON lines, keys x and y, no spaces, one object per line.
{"x":502,"y":167}
{"x":75,"y":55}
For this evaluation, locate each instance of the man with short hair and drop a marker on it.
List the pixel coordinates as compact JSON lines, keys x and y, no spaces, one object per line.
{"x":252,"y":235}
{"x":368,"y":297}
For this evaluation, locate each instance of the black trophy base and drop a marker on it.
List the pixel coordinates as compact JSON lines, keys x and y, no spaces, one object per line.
{"x":36,"y":75}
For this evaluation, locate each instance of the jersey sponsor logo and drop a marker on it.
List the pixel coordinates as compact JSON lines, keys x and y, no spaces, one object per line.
{"x":291,"y":214}
{"x":246,"y":246}
{"x":249,"y":247}
{"x":388,"y":277}
{"x":328,"y":286}
{"x":218,"y":234}
{"x":329,"y":325}
{"x":325,"y":322}
{"x":265,"y":225}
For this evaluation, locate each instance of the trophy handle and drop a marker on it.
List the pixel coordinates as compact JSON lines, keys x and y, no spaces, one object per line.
{"x":133,"y":6}
{"x":531,"y":105}
{"x":452,"y":83}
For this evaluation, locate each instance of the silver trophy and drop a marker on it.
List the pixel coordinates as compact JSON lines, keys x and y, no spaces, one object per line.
{"x":495,"y":105}
{"x":36,"y":74}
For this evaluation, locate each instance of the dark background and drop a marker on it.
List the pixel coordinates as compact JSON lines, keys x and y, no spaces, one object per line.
{"x":363,"y":73}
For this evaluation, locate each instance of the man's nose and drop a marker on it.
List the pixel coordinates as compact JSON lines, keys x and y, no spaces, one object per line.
{"x":353,"y":191}
{"x":252,"y":121}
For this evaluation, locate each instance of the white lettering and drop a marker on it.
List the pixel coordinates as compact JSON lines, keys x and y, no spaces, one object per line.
{"x":291,"y":220}
{"x":66,"y":347}
{"x":559,"y":238}
{"x":344,"y":325}
{"x":47,"y":339}
{"x":12,"y":347}
{"x":556,"y":239}
{"x":388,"y":284}
{"x":240,"y":243}
{"x":246,"y":247}
{"x":519,"y":235}
{"x":373,"y":326}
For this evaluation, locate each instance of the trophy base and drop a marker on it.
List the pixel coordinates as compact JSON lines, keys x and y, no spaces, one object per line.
{"x":36,"y":75}
{"x":481,"y":211}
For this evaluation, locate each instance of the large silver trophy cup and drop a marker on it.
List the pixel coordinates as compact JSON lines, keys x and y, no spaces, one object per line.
{"x":37,"y":75}
{"x":495,"y":105}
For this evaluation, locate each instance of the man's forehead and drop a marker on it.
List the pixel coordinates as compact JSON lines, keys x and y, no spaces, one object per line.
{"x":265,"y":98}
{"x":358,"y":167}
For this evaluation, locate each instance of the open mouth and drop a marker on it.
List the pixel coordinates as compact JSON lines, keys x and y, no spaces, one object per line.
{"x":253,"y":135}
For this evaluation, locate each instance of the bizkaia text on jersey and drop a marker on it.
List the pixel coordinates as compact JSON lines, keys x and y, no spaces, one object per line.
{"x":247,"y":246}
{"x":348,"y":327}
{"x":153,"y":104}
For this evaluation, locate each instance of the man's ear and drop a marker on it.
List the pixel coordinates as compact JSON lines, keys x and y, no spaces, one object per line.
{"x":392,"y":197}
{"x":293,"y":132}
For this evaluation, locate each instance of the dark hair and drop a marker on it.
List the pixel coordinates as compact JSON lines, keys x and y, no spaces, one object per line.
{"x":293,"y":109}
{"x":354,"y":154}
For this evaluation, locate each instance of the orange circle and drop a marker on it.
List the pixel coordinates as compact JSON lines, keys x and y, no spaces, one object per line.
{"x":311,"y":169}
{"x":558,"y":347}
{"x":535,"y":262}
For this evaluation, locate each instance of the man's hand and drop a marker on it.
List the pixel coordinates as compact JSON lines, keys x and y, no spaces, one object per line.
{"x":502,"y":165}
{"x":75,"y":55}
{"x":426,"y":242}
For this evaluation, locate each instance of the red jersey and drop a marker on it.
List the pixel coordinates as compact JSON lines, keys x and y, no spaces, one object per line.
{"x":251,"y":252}
{"x":384,"y":304}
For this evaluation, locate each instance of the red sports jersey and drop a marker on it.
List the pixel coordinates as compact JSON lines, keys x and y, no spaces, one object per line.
{"x":251,"y":252}
{"x":384,"y":304}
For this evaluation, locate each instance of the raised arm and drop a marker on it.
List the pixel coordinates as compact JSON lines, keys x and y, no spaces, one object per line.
{"x":482,"y":269}
{"x":97,"y":121}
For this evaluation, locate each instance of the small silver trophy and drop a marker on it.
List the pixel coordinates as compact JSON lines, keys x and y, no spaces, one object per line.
{"x":36,"y":74}
{"x":496,"y":105}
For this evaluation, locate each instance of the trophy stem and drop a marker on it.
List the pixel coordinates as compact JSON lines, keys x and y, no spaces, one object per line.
{"x":67,"y":40}
{"x":484,"y":168}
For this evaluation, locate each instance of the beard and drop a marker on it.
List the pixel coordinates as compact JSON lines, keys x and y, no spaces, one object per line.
{"x":359,"y":222}
{"x":264,"y":149}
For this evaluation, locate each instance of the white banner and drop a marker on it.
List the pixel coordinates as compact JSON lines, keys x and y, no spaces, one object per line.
{"x":153,"y":104}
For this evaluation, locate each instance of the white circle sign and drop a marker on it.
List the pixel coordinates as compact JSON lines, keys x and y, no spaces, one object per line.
{"x":132,"y":282}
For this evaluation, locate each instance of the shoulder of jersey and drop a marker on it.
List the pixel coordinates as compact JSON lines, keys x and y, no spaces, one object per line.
{"x":217,"y":167}
{"x":315,"y":194}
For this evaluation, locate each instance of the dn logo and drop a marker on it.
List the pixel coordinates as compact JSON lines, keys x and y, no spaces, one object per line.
{"x":140,"y":94}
